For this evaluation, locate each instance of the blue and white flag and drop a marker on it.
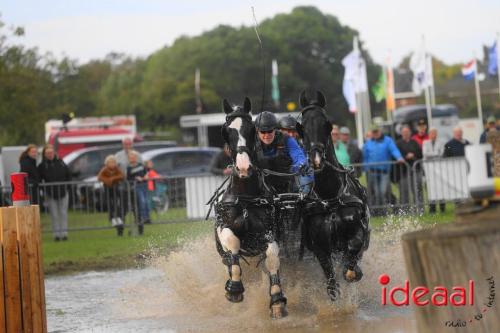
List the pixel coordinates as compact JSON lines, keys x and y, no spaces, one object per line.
{"x":469,"y":70}
{"x":493,"y":59}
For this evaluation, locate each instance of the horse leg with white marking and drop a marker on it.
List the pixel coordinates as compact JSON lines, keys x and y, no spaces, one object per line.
{"x":278,"y":300}
{"x":231,"y":245}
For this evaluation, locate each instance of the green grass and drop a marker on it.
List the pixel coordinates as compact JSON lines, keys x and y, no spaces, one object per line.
{"x":103,"y":249}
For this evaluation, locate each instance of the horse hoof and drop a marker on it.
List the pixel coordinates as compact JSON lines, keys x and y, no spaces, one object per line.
{"x":278,"y":311}
{"x":353,"y":275}
{"x":234,"y":298}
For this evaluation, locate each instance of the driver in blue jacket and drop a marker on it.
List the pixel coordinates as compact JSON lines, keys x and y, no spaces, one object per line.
{"x":281,"y":153}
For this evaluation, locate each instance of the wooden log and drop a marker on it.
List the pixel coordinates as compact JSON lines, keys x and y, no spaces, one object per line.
{"x":449,"y":256}
{"x":37,"y":227}
{"x":3,"y":323}
{"x":12,"y":285}
{"x":24,"y":225}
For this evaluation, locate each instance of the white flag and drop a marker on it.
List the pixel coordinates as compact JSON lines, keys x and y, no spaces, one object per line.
{"x":418,"y":64}
{"x":429,"y":76}
{"x":354,"y":78}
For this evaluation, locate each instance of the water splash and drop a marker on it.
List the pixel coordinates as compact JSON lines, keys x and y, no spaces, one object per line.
{"x":190,"y":295}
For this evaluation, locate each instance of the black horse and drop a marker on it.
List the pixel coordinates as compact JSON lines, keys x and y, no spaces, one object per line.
{"x":245,"y":219}
{"x":339,"y":225}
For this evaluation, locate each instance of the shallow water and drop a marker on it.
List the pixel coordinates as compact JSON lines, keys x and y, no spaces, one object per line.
{"x":184,"y":292}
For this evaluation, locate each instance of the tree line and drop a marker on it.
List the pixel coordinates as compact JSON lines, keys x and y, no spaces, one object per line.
{"x":308,"y":44}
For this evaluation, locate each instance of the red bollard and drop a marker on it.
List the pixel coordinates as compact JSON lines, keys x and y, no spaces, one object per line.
{"x":20,"y":189}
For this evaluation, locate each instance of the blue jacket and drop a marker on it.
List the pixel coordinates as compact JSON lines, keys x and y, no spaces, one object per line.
{"x":293,"y":150}
{"x":380,"y":150}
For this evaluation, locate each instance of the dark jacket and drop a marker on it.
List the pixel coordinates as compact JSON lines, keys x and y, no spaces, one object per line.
{"x":220,"y":163}
{"x":355,"y":156}
{"x":136,"y":171}
{"x":28,"y":165}
{"x":454,"y":148}
{"x":404,"y":147}
{"x":51,"y":171}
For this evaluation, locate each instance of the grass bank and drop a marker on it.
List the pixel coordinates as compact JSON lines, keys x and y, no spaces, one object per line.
{"x":102,"y":249}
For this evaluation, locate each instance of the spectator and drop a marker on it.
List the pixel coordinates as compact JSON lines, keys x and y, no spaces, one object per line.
{"x":340,"y":148}
{"x":137,"y":176}
{"x":411,"y":152}
{"x":456,"y":146}
{"x":490,"y":126}
{"x":27,"y":162}
{"x":155,"y":187}
{"x":220,"y":165}
{"x":432,"y":149}
{"x":355,"y":154}
{"x":378,"y":152}
{"x":421,"y":135}
{"x":51,"y":170}
{"x":122,"y":157}
{"x":368,"y":135}
{"x":111,"y":176}
{"x":123,"y":162}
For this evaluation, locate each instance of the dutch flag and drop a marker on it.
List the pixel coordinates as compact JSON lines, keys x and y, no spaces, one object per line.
{"x":469,"y":70}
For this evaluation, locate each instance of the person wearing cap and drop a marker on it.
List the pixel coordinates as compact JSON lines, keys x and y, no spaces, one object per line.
{"x":340,"y":147}
{"x":411,"y":152}
{"x":421,"y":134}
{"x":377,"y":154}
{"x":490,"y":126}
{"x":280,"y":153}
{"x":355,"y":154}
{"x":288,"y":126}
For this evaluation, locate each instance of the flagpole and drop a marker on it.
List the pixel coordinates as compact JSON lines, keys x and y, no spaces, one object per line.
{"x":478,"y":92}
{"x":197,"y":90}
{"x":431,"y":86}
{"x":428,"y":105}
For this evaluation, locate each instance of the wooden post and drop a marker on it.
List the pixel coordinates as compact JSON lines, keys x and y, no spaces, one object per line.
{"x":451,"y":255}
{"x":22,"y":279}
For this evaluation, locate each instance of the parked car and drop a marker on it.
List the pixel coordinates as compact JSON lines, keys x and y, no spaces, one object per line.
{"x":86,"y":163}
{"x":175,"y":163}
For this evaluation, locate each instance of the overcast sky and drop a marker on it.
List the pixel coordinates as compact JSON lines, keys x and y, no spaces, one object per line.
{"x":87,"y":29}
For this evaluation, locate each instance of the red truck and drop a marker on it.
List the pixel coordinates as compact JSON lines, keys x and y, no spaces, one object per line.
{"x":81,"y":133}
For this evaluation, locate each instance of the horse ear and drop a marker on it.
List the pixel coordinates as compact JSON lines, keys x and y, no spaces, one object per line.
{"x":303,"y":99}
{"x":320,"y":98}
{"x":247,"y":105}
{"x":226,"y":106}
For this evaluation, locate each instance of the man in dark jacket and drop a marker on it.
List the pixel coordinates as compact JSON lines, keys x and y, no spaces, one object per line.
{"x":456,"y":146}
{"x":221,"y":162}
{"x":53,"y":169}
{"x":411,"y":151}
{"x":355,"y":154}
{"x":27,"y":163}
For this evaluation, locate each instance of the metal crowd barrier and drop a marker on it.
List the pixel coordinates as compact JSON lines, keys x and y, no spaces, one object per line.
{"x":392,"y":187}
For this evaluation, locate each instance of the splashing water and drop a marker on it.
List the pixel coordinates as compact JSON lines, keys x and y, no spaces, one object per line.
{"x":184,"y":291}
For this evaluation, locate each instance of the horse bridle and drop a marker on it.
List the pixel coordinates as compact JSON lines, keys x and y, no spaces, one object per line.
{"x":318,"y":147}
{"x":239,"y":149}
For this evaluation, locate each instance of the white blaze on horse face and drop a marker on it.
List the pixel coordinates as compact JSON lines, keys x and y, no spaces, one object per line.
{"x":317,"y":160}
{"x":242,"y":159}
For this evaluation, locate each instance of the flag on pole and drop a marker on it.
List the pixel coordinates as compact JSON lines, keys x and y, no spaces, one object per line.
{"x":354,"y":78}
{"x":493,"y":59}
{"x":390,"y":100}
{"x":379,"y":90}
{"x":469,"y":70}
{"x":419,"y":67}
{"x":275,"y":92}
